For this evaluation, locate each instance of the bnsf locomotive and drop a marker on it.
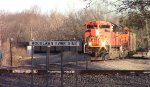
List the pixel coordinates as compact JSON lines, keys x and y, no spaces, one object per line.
{"x":104,"y":39}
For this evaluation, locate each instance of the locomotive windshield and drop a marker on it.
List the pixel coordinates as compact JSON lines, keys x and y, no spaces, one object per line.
{"x":104,"y":26}
{"x":91,"y":26}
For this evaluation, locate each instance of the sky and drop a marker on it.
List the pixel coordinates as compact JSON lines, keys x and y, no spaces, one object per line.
{"x":44,"y":5}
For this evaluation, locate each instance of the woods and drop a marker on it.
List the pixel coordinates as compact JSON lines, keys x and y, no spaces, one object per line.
{"x":31,"y":24}
{"x":136,"y":17}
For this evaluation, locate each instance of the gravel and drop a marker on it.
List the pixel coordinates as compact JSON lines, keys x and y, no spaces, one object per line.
{"x":83,"y":80}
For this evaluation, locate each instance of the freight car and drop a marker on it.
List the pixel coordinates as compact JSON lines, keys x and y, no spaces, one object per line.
{"x":104,"y":39}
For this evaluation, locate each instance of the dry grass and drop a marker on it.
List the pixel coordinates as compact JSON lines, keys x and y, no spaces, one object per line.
{"x":18,"y":54}
{"x":6,"y":54}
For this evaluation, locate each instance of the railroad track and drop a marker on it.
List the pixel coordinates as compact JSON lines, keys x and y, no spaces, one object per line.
{"x":44,"y":71}
{"x":112,"y":72}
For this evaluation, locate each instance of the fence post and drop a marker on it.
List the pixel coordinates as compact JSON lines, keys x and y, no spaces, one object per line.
{"x":76,"y":69}
{"x":62,"y":67}
{"x":32,"y":52}
{"x":86,"y":62}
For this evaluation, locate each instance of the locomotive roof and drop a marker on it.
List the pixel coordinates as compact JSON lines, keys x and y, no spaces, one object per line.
{"x":99,"y":22}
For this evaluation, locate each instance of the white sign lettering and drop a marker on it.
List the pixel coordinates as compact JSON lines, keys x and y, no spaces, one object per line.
{"x":54,"y":43}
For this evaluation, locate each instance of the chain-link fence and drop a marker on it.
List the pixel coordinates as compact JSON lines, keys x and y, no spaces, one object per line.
{"x":71,"y":77}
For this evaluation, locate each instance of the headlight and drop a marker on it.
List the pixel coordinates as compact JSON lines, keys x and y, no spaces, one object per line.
{"x":90,"y":43}
{"x":97,"y":32}
{"x":103,"y":44}
{"x":111,"y":28}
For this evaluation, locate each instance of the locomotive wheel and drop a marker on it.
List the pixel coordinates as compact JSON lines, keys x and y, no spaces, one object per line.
{"x":95,"y":54}
{"x":104,"y":54}
{"x":123,"y":53}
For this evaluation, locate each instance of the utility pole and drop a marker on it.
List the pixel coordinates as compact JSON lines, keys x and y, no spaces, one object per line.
{"x":31,"y":36}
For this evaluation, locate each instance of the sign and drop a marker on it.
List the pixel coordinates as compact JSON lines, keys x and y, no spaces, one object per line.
{"x":54,"y":43}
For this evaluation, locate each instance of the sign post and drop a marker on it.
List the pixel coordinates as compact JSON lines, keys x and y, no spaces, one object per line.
{"x":47,"y":64}
{"x":76,"y":67}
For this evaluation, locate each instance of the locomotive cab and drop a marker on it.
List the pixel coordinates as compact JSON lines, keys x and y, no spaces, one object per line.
{"x":96,"y":37}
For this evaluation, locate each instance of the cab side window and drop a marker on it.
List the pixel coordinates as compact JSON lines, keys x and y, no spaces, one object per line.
{"x":91,"y":26}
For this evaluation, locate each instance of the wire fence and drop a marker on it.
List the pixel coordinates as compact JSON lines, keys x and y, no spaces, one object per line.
{"x":58,"y":77}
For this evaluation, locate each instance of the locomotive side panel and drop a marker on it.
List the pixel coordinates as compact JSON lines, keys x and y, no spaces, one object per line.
{"x":132,"y":42}
{"x":119,"y":39}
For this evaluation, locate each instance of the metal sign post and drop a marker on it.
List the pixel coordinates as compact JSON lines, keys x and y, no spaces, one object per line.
{"x":47,"y":64}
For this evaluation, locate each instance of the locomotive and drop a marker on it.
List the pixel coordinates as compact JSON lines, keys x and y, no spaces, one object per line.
{"x":104,"y":39}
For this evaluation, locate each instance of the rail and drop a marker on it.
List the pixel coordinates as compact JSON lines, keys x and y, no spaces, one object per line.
{"x":25,"y":70}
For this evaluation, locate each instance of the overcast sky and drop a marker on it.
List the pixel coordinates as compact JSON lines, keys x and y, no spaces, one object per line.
{"x":44,"y":5}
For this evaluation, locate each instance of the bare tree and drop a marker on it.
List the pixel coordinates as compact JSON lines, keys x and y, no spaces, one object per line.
{"x":138,"y":14}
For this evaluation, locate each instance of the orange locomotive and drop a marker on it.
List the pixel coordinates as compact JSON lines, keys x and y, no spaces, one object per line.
{"x":102,"y":39}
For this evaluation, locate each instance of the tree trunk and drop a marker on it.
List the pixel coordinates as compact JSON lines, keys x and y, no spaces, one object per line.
{"x":147,"y":34}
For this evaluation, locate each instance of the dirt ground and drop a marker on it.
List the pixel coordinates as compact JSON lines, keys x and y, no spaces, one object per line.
{"x":136,"y":63}
{"x":124,"y":64}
